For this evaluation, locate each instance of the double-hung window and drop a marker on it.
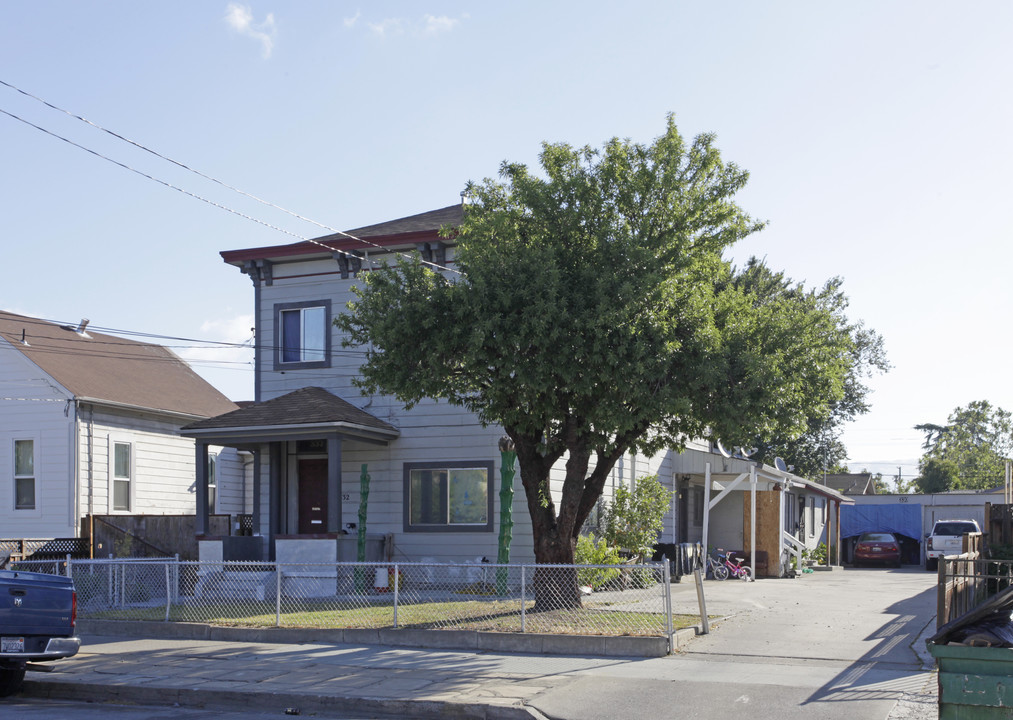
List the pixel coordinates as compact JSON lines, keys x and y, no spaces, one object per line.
{"x":24,"y":474}
{"x":212,"y":483}
{"x":122,"y":475}
{"x":442,"y":497}
{"x":302,"y":331}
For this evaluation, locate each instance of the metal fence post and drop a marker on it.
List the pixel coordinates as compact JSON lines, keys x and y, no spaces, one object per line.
{"x":666,"y":591}
{"x":168,"y":591}
{"x":397,"y":588}
{"x":523,"y":600}
{"x":68,"y":565}
{"x":277,"y":595}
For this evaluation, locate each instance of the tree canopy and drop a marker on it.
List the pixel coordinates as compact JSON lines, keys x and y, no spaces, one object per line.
{"x":967,"y":453}
{"x":819,"y":445}
{"x":592,"y":315}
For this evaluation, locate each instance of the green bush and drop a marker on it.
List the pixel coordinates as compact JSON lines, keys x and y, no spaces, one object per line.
{"x":633,"y":519}
{"x":596,"y":552}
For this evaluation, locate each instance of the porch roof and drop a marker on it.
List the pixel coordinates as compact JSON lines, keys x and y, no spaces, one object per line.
{"x":724,"y":470}
{"x":304,"y":413}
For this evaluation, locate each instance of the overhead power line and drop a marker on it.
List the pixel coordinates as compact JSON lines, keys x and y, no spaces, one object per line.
{"x":205,"y":176}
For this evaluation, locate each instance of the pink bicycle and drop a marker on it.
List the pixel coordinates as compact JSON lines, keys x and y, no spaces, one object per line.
{"x":726,"y":567}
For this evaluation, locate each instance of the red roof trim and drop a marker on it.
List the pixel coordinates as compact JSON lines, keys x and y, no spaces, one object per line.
{"x":307,"y":248}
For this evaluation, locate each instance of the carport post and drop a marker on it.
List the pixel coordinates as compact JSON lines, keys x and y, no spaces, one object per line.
{"x":752,"y":521}
{"x":706,"y":507}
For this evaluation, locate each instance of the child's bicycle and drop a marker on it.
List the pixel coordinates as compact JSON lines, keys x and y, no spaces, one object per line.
{"x":726,"y":568}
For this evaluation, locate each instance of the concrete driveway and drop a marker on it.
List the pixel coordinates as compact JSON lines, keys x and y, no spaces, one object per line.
{"x":845,"y":644}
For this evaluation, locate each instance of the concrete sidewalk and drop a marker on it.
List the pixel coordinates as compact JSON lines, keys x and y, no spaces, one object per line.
{"x":367,"y":680}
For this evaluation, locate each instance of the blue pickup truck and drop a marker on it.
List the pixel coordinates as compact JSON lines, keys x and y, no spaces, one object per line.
{"x":38,"y":613}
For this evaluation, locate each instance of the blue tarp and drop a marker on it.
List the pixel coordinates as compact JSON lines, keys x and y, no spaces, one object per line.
{"x":902,"y":519}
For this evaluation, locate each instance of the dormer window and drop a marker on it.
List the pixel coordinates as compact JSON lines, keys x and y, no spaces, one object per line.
{"x":303,"y":335}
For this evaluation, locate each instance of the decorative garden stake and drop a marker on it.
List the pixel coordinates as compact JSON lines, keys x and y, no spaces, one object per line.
{"x":506,"y":517}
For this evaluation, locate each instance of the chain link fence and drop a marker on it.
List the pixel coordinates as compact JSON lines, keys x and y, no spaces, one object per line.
{"x":560,"y":599}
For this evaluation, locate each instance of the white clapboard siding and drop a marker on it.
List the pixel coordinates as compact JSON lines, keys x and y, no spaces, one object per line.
{"x":33,"y":407}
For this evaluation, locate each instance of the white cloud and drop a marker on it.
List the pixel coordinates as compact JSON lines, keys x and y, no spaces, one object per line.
{"x":392,"y":27}
{"x":389,"y":26}
{"x":240,"y":18}
{"x":440,"y":24}
{"x":351,"y":21}
{"x":228,"y":368}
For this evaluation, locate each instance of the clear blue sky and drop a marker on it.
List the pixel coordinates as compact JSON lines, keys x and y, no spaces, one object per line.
{"x":877,"y":135}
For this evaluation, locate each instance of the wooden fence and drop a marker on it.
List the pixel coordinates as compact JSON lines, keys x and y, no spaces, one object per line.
{"x":968,"y":580}
{"x":149,"y":535}
{"x":999,"y":524}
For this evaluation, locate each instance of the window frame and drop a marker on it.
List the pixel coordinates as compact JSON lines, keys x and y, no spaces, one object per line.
{"x":129,"y":479}
{"x":212,"y":483}
{"x":699,"y":500}
{"x":33,"y":476}
{"x":279,"y":344}
{"x":487,"y":526}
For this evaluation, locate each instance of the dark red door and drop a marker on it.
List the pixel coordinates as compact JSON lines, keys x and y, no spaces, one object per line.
{"x":312,"y":496}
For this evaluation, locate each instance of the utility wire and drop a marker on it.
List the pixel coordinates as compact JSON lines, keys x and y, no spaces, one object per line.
{"x":204,"y":176}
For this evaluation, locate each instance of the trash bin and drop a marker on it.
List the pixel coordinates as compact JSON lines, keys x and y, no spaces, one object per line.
{"x":974,"y":679}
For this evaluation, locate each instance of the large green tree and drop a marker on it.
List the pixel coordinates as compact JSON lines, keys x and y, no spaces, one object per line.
{"x":819,"y":446}
{"x":592,"y":315}
{"x":967,"y":453}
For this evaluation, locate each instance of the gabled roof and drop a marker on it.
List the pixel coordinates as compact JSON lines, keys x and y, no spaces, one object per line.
{"x":307,"y":410}
{"x":851,"y":483}
{"x":403,"y":231}
{"x":112,"y":370}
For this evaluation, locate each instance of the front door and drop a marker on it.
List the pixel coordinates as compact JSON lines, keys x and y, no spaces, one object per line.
{"x":312,"y":496}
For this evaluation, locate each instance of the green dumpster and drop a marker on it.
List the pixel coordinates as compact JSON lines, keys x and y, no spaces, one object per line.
{"x":975,"y":681}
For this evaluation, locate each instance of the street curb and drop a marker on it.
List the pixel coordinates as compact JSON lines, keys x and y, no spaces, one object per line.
{"x":273,"y":701}
{"x":525,"y":643}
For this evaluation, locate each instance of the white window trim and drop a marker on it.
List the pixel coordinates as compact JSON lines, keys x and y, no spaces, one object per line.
{"x":115,"y":440}
{"x":37,"y":510}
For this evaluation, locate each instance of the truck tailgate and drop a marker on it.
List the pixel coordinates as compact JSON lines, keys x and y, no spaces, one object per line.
{"x":35,"y":604}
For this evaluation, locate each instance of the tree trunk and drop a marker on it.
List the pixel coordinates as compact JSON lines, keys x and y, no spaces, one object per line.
{"x":555,"y":587}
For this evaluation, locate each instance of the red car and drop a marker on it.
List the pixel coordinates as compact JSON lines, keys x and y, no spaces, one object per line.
{"x":877,"y":547}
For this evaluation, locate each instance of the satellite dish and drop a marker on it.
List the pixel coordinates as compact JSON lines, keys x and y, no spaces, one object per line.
{"x":721,"y":449}
{"x":780,"y":464}
{"x":743,"y":453}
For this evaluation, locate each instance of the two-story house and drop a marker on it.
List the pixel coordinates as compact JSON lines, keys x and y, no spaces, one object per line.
{"x":434,"y":469}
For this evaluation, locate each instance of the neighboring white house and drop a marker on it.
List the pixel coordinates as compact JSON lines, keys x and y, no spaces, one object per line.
{"x":89,"y":425}
{"x":434,"y":469}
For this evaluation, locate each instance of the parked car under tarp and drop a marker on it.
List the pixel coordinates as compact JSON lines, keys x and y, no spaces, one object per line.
{"x":902,"y":519}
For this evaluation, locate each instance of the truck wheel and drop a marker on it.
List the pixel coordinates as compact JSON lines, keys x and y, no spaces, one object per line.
{"x":10,"y":680}
{"x":931,"y":564}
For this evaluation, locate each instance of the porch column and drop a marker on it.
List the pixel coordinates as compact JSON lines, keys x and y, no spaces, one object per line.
{"x":258,"y":522}
{"x":837,"y":530}
{"x":334,"y":484}
{"x":274,"y":508}
{"x":706,"y":506}
{"x":201,"y":485}
{"x":752,"y":521}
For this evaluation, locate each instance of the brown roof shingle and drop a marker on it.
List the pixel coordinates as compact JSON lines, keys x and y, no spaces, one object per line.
{"x":305,"y":406}
{"x":112,"y":369}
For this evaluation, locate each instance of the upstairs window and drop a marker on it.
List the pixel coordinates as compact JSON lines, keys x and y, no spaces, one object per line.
{"x":303,"y":335}
{"x":24,"y":474}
